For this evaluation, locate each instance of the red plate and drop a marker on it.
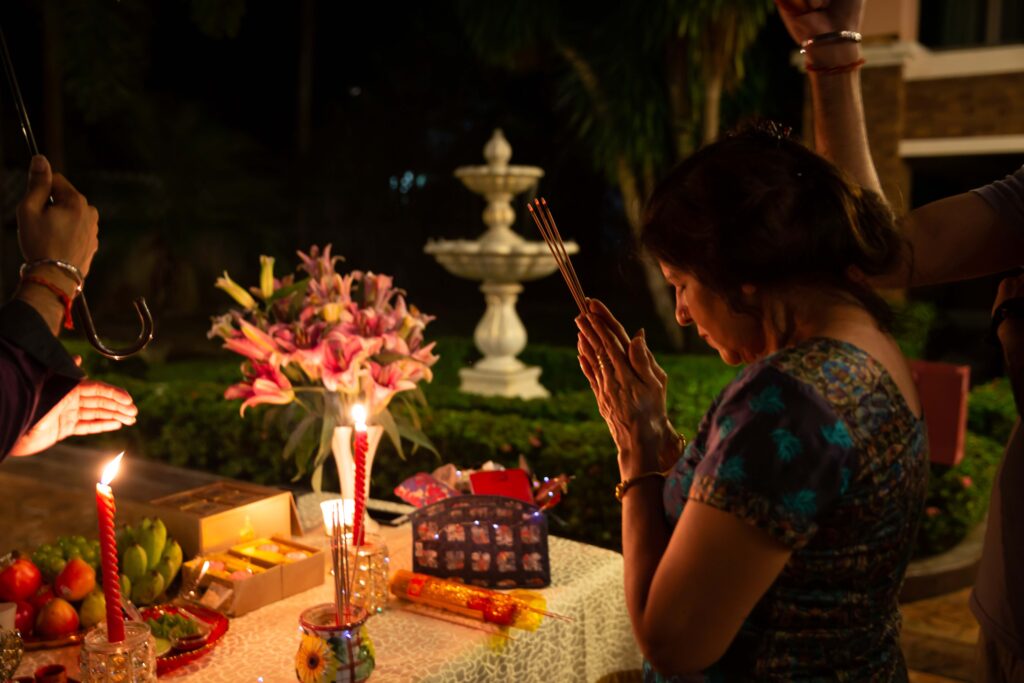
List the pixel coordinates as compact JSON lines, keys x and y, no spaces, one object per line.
{"x":174,"y":659}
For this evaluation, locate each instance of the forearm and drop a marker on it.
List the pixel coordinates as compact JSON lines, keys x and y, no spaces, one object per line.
{"x":645,"y":535}
{"x":840,"y":134}
{"x":956,"y":238}
{"x":20,"y":380}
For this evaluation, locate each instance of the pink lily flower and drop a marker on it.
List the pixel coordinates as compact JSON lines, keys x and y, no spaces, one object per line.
{"x":265,"y":384}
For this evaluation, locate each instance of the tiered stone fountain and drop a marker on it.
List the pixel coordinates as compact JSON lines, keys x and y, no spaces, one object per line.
{"x":503,"y":260}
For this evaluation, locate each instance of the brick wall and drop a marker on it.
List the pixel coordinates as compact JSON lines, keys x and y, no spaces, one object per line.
{"x":884,"y":100}
{"x":885,"y":103}
{"x":957,"y":107}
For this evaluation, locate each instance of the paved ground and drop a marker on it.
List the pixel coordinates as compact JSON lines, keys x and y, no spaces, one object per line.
{"x":42,"y":497}
{"x":939,"y":636}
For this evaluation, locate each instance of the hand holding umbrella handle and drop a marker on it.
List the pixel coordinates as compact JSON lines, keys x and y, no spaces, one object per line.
{"x":146,"y":335}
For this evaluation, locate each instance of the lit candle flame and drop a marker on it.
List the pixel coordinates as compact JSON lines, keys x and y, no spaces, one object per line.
{"x":110,"y":471}
{"x":359,"y":417}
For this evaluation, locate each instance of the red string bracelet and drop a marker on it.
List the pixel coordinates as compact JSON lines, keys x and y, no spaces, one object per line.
{"x":59,"y":293}
{"x":833,"y":70}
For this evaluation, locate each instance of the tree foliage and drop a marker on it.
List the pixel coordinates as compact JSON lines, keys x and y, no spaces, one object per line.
{"x":639,"y":84}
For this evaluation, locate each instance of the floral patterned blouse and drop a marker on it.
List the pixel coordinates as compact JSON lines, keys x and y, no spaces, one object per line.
{"x":816,"y":446}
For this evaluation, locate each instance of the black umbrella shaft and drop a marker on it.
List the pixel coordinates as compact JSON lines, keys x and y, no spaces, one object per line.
{"x":19,"y":103}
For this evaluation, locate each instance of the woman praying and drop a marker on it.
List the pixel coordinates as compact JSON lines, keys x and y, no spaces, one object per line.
{"x":772,"y":545}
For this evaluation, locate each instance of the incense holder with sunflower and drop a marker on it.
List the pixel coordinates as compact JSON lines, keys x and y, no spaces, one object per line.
{"x":333,"y":652}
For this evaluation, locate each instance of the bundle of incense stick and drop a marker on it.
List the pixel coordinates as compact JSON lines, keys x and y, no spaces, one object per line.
{"x":340,"y":565}
{"x":546,"y":224}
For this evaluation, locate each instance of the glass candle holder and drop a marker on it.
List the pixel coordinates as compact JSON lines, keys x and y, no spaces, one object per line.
{"x":370,"y":579}
{"x":11,"y":649}
{"x":133,"y":660}
{"x":329,"y":651}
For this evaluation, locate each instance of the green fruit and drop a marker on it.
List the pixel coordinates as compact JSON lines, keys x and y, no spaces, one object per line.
{"x":126,"y":585}
{"x":173,"y":554}
{"x":125,"y":538}
{"x":55,"y":567}
{"x":135,"y":562}
{"x":147,"y":588}
{"x":161,"y":646}
{"x":93,"y":609}
{"x":152,"y":540}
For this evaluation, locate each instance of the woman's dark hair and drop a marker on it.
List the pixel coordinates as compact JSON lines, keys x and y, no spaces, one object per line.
{"x":759,"y":208}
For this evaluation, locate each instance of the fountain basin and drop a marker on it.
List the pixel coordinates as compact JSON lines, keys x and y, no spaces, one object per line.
{"x":473,"y":260}
{"x":511,"y":180}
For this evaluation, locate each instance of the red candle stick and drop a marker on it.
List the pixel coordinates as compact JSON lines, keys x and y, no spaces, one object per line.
{"x":361,"y":444}
{"x":108,"y":552}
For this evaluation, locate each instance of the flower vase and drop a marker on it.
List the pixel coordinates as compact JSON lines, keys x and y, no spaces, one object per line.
{"x":331,"y":652}
{"x":342,"y":446}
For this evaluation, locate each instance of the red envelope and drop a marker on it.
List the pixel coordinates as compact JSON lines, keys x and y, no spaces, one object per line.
{"x":509,"y":483}
{"x":422,"y":489}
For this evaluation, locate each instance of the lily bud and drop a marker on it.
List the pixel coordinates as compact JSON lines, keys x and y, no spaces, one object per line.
{"x":331,"y":312}
{"x":267,"y":276}
{"x":236,"y":292}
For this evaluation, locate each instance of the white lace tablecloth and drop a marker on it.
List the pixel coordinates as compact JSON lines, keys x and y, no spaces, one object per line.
{"x":586,"y":585}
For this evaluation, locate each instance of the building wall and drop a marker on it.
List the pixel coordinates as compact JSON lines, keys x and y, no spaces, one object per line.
{"x":885,"y":108}
{"x":896,"y":109}
{"x":958,"y":107}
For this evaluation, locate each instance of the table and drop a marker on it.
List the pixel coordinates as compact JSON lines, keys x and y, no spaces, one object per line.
{"x":586,"y":586}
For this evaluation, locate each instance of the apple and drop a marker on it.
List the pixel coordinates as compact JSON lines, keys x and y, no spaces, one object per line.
{"x":92,"y":609}
{"x":76,"y":580}
{"x":58,"y":618}
{"x":42,"y":596}
{"x":25,"y":617}
{"x":19,"y":581}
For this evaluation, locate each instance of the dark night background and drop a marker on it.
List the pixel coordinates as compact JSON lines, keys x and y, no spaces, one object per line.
{"x":182,"y":123}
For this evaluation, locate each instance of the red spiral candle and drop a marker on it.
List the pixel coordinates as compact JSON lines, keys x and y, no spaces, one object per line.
{"x":361,"y":445}
{"x":108,"y":553}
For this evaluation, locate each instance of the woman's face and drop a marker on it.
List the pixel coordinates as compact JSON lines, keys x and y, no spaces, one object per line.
{"x":738,"y":337}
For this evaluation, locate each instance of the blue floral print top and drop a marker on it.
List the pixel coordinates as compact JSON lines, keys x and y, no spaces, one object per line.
{"x":816,"y":446}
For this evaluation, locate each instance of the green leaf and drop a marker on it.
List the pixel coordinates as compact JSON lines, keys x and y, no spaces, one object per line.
{"x":417,"y":437}
{"x":297,"y":435}
{"x":289,"y":290}
{"x":387,"y":421}
{"x":326,"y":434}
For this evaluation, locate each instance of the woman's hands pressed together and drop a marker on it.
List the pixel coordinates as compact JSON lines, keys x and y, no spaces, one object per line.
{"x":630,"y":389}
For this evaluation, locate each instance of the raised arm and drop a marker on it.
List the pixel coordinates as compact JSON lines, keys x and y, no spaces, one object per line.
{"x":833,"y":69}
{"x":956,"y":238}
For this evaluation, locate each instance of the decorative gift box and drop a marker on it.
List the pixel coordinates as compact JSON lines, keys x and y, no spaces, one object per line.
{"x":260,"y":572}
{"x":491,"y":541}
{"x":220,"y":515}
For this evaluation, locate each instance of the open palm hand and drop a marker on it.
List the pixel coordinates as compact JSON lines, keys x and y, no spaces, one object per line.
{"x":90,"y":408}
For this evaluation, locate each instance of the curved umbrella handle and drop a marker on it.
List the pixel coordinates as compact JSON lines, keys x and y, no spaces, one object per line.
{"x":145,"y":317}
{"x":145,"y":335}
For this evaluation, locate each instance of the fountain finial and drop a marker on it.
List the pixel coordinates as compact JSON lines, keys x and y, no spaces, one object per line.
{"x":497,"y":151}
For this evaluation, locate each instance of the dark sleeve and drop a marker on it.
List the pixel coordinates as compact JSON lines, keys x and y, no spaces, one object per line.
{"x":35,"y":371}
{"x":778,"y":457}
{"x":1006,"y":197}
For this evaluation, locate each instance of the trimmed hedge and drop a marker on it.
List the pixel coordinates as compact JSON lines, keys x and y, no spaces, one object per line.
{"x":184,"y":420}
